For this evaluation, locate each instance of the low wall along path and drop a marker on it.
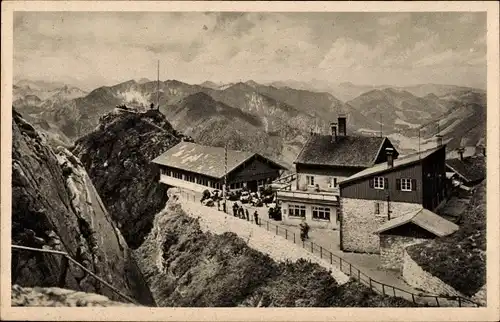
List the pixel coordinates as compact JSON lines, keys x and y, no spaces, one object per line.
{"x":276,"y":247}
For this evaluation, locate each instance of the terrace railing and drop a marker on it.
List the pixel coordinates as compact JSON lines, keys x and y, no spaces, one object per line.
{"x":357,"y":274}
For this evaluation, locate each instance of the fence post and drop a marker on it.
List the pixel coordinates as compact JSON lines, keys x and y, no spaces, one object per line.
{"x":303,"y":244}
{"x":331,"y":258}
{"x":294,"y":238}
{"x":359,"y":274}
{"x":413,"y":298}
{"x":394,"y":291}
{"x":321,"y":252}
{"x":312,"y":247}
{"x":369,"y":279}
{"x":350,"y":269}
{"x":459,"y":302}
{"x":437,"y":301}
{"x":383,"y":289}
{"x":64,"y":271}
{"x":340,"y":263}
{"x":267,"y":225}
{"x":276,"y":229}
{"x":286,"y":233}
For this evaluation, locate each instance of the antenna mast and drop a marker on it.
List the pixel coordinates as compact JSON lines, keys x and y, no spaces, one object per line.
{"x":380,"y":124}
{"x":158,"y":87}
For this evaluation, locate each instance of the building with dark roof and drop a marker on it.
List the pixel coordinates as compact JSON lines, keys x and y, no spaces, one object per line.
{"x":468,"y":171}
{"x":409,"y":229}
{"x":376,"y":195}
{"x":324,"y":161}
{"x":198,"y":167}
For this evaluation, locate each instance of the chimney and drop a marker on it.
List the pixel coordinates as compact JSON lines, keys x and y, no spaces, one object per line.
{"x":342,"y":125}
{"x":439,"y":139}
{"x":333,"y":128}
{"x":460,"y":151}
{"x":390,"y":157}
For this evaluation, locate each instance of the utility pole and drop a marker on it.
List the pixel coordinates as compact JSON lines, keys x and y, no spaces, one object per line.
{"x":380,"y":124}
{"x":158,"y":87}
{"x":225,"y":176}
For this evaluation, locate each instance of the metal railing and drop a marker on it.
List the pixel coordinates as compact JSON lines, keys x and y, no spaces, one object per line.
{"x":354,"y":272}
{"x":66,"y":260}
{"x":307,"y":195}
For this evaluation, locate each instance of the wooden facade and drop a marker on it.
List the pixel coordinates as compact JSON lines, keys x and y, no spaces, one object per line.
{"x":364,"y":189}
{"x":428,"y":183}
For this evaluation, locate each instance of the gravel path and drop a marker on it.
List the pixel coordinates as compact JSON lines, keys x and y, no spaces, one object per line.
{"x":257,"y":238}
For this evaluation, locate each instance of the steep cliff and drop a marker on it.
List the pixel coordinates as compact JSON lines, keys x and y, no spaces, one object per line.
{"x":55,"y":206}
{"x":117,"y":156}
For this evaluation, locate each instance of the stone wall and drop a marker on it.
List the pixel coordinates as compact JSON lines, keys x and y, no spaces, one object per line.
{"x":415,"y":276}
{"x":315,"y":223}
{"x":359,"y":221}
{"x":392,"y":250}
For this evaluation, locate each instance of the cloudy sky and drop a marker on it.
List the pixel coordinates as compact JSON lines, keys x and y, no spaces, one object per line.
{"x":90,"y":49}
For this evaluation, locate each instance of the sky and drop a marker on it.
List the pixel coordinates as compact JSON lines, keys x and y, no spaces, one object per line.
{"x":92,"y":49}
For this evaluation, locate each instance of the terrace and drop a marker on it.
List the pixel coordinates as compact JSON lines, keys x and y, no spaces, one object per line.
{"x":286,"y":188}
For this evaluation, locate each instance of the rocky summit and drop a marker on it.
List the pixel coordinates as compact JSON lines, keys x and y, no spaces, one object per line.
{"x":117,"y":156}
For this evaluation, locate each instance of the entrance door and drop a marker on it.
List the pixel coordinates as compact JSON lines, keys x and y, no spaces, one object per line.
{"x":252,"y":185}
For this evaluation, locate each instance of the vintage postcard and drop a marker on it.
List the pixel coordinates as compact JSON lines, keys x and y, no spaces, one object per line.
{"x":250,"y":161}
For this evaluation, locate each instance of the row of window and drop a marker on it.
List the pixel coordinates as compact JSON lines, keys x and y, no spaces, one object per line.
{"x":295,"y":210}
{"x":333,"y":181}
{"x":403,"y":184}
{"x":192,"y":178}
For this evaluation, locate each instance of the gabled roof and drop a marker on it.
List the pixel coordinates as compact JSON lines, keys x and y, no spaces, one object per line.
{"x":350,"y":151}
{"x":207,"y":160}
{"x":423,"y":218}
{"x":470,"y":169}
{"x":398,"y":163}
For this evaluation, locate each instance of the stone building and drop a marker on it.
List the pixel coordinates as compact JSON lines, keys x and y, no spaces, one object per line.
{"x":323,"y":162}
{"x":376,"y":195}
{"x":197,"y":167}
{"x":412,"y":228}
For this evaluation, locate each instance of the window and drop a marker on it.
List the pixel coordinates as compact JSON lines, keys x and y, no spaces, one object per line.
{"x":405,"y":184}
{"x":378,"y":183}
{"x":377,"y":208}
{"x":321,"y":213}
{"x":297,"y":210}
{"x":333,"y":182}
{"x":310,"y":180}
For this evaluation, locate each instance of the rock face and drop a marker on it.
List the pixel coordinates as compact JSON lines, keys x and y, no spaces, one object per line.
{"x":117,"y":156}
{"x":55,"y":206}
{"x":54,"y":296}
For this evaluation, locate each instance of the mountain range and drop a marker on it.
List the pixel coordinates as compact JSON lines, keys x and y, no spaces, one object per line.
{"x":274,"y":119}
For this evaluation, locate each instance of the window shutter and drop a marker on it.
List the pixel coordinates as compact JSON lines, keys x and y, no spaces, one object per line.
{"x":398,"y":184}
{"x":377,"y":209}
{"x":386,"y":183}
{"x":413,"y":184}
{"x":371,"y":182}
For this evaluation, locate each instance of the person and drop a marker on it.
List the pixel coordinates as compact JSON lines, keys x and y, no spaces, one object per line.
{"x":247,"y":214}
{"x":218,"y":204}
{"x":242,"y":213}
{"x":256,"y":217}
{"x":224,"y":206}
{"x":235,"y":209}
{"x":304,"y":229}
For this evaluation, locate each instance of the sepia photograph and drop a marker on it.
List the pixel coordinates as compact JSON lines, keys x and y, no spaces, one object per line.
{"x":248,"y":159}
